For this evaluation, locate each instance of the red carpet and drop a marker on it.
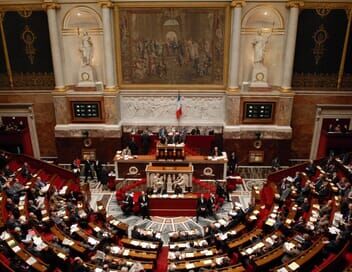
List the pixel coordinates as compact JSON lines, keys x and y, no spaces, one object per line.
{"x":161,"y":264}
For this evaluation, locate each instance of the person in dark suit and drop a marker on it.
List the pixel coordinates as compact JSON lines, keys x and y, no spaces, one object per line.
{"x":145,"y":138}
{"x":133,"y":146}
{"x":25,"y":172}
{"x":216,"y":152}
{"x":202,"y":206}
{"x":88,"y":169}
{"x":127,"y":204}
{"x":232,"y":163}
{"x":143,"y":201}
{"x":104,"y":178}
{"x":311,"y":169}
{"x":212,"y":206}
{"x":195,"y":131}
{"x":98,"y":166}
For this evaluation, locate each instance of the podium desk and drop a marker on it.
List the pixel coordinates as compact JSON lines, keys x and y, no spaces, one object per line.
{"x":170,"y":151}
{"x":204,"y":167}
{"x":173,"y":205}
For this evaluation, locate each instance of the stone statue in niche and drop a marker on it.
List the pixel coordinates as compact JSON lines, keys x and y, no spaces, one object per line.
{"x":86,"y":72}
{"x":260,"y":71}
{"x":86,"y":49}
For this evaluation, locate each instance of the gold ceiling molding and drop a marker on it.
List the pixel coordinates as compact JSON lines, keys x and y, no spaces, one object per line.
{"x":50,"y":5}
{"x":237,"y":3}
{"x":20,"y":7}
{"x":105,"y":4}
{"x":295,"y":4}
{"x":324,"y":5}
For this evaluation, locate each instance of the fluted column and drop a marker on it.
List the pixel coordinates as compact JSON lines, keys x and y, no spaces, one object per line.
{"x":235,"y":44}
{"x":108,"y":45}
{"x":290,"y":43}
{"x":51,"y":8}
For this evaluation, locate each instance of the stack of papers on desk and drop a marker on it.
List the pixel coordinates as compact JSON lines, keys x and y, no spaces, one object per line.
{"x":31,"y":261}
{"x":92,"y":241}
{"x":61,"y":255}
{"x":293,"y":266}
{"x":189,"y":255}
{"x":126,"y":252}
{"x":67,"y":242}
{"x":136,"y":243}
{"x":16,"y":249}
{"x":270,"y":222}
{"x":207,"y":262}
{"x":190,"y":265}
{"x":115,"y":250}
{"x":283,"y":269}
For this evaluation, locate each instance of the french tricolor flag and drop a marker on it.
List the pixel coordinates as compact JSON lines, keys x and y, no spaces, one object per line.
{"x":179,"y":107}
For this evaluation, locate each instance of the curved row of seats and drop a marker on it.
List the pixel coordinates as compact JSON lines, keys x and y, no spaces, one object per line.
{"x":249,"y":240}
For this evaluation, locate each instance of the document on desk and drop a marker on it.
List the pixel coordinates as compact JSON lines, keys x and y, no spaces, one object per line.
{"x":31,"y":261}
{"x":16,"y":249}
{"x":293,"y":266}
{"x":126,"y":252}
{"x":190,"y":265}
{"x":283,"y":269}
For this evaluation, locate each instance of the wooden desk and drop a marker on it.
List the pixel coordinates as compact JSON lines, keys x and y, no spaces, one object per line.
{"x":201,"y":166}
{"x":205,"y":252}
{"x":143,"y":245}
{"x":170,"y":151}
{"x":305,"y":256}
{"x":184,"y":205}
{"x":244,"y":238}
{"x":77,"y":246}
{"x":206,"y":262}
{"x":25,"y":256}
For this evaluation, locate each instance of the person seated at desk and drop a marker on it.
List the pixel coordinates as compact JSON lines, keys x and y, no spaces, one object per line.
{"x":311,"y":169}
{"x":143,"y":201}
{"x":25,"y":172}
{"x":202,"y":206}
{"x":162,"y":133}
{"x":8,"y":172}
{"x":126,"y":151}
{"x":195,"y":131}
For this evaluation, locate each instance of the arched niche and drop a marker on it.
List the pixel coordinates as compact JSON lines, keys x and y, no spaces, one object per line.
{"x":81,"y":18}
{"x":264,"y":17}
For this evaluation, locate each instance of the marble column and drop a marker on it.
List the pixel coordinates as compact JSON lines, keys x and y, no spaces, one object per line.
{"x":55,"y":44}
{"x":235,"y":44}
{"x":290,"y":43}
{"x":108,"y":45}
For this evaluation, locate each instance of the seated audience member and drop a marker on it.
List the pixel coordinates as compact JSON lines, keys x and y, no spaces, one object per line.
{"x":25,"y":172}
{"x":311,"y":169}
{"x":195,"y":131}
{"x":202,"y":206}
{"x":7,"y":171}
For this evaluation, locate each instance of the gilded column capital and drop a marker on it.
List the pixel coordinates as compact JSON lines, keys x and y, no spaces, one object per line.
{"x":237,"y":3}
{"x":50,"y":5}
{"x":106,"y":4}
{"x":295,"y":4}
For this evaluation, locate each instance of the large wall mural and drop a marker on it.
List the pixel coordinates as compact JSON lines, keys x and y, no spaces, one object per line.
{"x":172,"y":45}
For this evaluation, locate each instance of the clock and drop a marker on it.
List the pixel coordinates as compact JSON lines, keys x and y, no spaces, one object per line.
{"x":85,"y":76}
{"x":259,"y":76}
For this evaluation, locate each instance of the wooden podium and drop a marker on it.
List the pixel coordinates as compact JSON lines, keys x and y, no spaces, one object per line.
{"x":170,"y":151}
